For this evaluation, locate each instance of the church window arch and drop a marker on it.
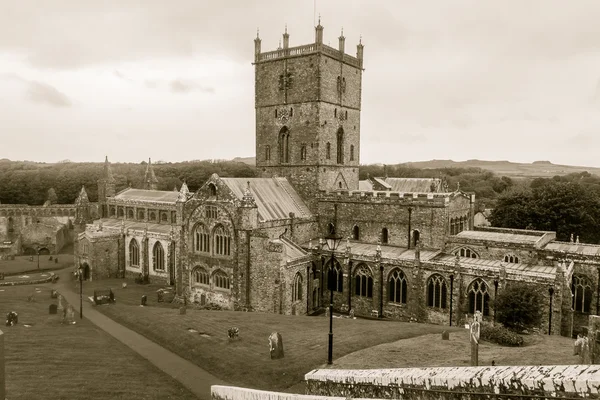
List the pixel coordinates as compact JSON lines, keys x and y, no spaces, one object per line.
{"x":416,"y":237}
{"x":363,"y":281}
{"x":384,"y":236}
{"x":164,"y":217}
{"x":297,"y":288}
{"x":141,"y":214}
{"x":328,"y":151}
{"x":200,"y":276}
{"x":334,"y":276}
{"x":303,"y":152}
{"x":437,"y":291}
{"x":221,"y":280}
{"x":267,"y":153}
{"x":158,"y":257}
{"x":152,"y":216}
{"x":221,"y":241}
{"x":466,"y":252}
{"x":201,"y":239}
{"x":134,"y":253}
{"x":581,"y":288}
{"x":511,"y":258}
{"x":397,"y":286}
{"x":479,"y":298}
{"x":284,"y":145}
{"x":130,"y":214}
{"x":212,"y":189}
{"x":113,"y":211}
{"x":356,"y":232}
{"x":340,"y":146}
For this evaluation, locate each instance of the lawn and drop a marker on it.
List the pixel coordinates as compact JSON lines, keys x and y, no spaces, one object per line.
{"x":22,"y":264}
{"x":246,"y":361}
{"x":50,"y":360}
{"x":432,"y":351}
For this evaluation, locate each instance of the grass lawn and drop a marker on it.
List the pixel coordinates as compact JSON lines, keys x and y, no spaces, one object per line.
{"x":432,"y":351}
{"x":246,"y":361}
{"x":50,"y":360}
{"x":21,"y":264}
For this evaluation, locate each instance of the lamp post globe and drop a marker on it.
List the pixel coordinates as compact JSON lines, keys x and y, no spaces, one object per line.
{"x":333,"y":241}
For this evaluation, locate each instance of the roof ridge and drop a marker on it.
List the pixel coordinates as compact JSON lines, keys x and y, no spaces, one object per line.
{"x":290,"y":195}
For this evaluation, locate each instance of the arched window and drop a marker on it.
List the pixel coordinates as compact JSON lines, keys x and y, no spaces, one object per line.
{"x":158,"y":255}
{"x":200,"y":276}
{"x":212,"y":189}
{"x":384,"y":236}
{"x":134,"y":253}
{"x":141,"y":214}
{"x":363,"y":281}
{"x":152,"y":216}
{"x":291,"y":111}
{"x":222,"y":241}
{"x":345,"y":116}
{"x":351,"y":152}
{"x":267,"y":153}
{"x":437,"y":291}
{"x":201,"y":239}
{"x":335,"y":276}
{"x":221,"y":280}
{"x":297,"y":288}
{"x":511,"y":258}
{"x":328,"y":151}
{"x":479,"y":299}
{"x":303,"y":152}
{"x":581,"y":287}
{"x":397,"y":286}
{"x":340,"y":146}
{"x":284,"y":145}
{"x":130,"y":214}
{"x":113,"y":211}
{"x":356,"y":232}
{"x":335,"y":113}
{"x":164,"y":217}
{"x":416,"y":237}
{"x":211,"y":212}
{"x":466,"y":252}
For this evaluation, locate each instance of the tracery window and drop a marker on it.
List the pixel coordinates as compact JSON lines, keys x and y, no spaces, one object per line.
{"x":211,"y":212}
{"x":221,"y":280}
{"x":466,"y":252}
{"x":201,"y":239}
{"x":511,"y":258}
{"x":581,"y":287}
{"x":297,"y":288}
{"x":479,"y":298}
{"x":158,"y":254}
{"x":200,"y":276}
{"x":363,"y":281}
{"x":222,"y":241}
{"x":397,"y":287}
{"x":437,"y":291}
{"x":340,"y":146}
{"x":284,"y":145}
{"x":134,"y":253}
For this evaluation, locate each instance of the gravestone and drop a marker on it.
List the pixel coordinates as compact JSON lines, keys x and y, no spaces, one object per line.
{"x":124,"y":285}
{"x":182,"y":310}
{"x":351,"y":313}
{"x":69,"y":315}
{"x":52,"y":309}
{"x":12,"y":318}
{"x":577,"y":345}
{"x":144,"y":299}
{"x":445,"y":335}
{"x":474,"y":339}
{"x":53,"y":294}
{"x":276,"y":345}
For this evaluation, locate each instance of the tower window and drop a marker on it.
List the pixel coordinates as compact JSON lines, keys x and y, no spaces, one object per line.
{"x":351,"y":152}
{"x":328,"y":151}
{"x":340,"y":146}
{"x":275,"y":113}
{"x":344,"y":89}
{"x":267,"y":153}
{"x":212,"y":189}
{"x":291,"y":111}
{"x":384,"y":235}
{"x":284,"y":140}
{"x":303,"y":152}
{"x":335,"y":112}
{"x":356,"y":232}
{"x":346,"y":116}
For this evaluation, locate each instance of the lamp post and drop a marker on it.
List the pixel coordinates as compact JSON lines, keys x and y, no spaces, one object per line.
{"x":80,"y":292}
{"x":333,"y":242}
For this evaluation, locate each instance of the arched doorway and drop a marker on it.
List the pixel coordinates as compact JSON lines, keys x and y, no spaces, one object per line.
{"x":86,"y":272}
{"x":44,"y":251}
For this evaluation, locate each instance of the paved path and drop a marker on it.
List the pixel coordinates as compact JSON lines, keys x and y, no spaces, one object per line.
{"x":197,"y":380}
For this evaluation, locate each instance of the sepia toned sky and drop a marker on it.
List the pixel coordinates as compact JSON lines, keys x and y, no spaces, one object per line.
{"x":172,"y":79}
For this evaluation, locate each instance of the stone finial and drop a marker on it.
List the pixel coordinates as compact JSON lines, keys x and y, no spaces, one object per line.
{"x":183,"y":193}
{"x":571,"y":240}
{"x":458,"y":186}
{"x":83,"y":196}
{"x":175,"y":188}
{"x":310,"y":246}
{"x":577,"y":240}
{"x":248,"y":198}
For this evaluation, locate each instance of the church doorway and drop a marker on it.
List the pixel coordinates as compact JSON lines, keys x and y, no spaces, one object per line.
{"x":86,"y":272}
{"x":44,"y":251}
{"x":315,"y":299}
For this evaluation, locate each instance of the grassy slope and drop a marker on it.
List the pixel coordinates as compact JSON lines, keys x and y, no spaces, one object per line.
{"x":54,"y":361}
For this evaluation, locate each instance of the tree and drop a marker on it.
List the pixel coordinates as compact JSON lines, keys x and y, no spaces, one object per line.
{"x":52,"y":197}
{"x":519,"y":307}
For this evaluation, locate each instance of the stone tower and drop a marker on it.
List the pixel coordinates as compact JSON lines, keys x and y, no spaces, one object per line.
{"x":150,"y":180}
{"x":308,"y":101}
{"x":106,"y":187}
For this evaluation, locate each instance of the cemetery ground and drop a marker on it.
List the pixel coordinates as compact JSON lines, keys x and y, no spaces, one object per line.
{"x":51,"y":360}
{"x":23,"y":264}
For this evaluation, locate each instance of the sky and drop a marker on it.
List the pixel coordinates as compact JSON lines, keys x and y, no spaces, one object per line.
{"x":173,"y":79}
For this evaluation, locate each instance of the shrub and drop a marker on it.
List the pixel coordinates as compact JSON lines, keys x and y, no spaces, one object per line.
{"x":500,"y":335}
{"x":519,"y":307}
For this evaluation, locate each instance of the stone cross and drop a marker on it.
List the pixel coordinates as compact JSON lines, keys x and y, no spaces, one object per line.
{"x":60,"y":304}
{"x":474,"y":338}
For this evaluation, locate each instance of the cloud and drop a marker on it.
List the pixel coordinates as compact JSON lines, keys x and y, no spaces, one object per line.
{"x":179,"y":86}
{"x":43,"y":93}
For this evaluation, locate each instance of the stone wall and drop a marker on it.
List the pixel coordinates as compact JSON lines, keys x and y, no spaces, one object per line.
{"x":238,"y":393}
{"x":523,"y":382}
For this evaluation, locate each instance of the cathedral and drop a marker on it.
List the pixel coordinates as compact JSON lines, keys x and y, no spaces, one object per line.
{"x":409,"y":249}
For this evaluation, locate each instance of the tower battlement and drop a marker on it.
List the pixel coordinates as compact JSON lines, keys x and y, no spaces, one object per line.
{"x":308,"y":49}
{"x":374,"y":196}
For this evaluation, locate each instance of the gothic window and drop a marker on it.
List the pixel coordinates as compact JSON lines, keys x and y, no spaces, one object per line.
{"x":164,"y":217}
{"x":363,"y":281}
{"x":416,"y":237}
{"x":437,"y":291}
{"x":267,"y":153}
{"x":511,"y":258}
{"x":335,"y":113}
{"x":284,"y":145}
{"x":158,"y":254}
{"x":130,"y":214}
{"x":479,"y":299}
{"x":303,"y":152}
{"x":452,"y":229}
{"x":335,"y":276}
{"x":346,"y":115}
{"x":356,"y":232}
{"x":222,"y":241}
{"x":134,"y":253}
{"x":221,"y":280}
{"x":328,"y":151}
{"x":466,"y":252}
{"x":344,"y":89}
{"x":275,"y":113}
{"x":140,"y":214}
{"x":113,"y":212}
{"x":211,"y":212}
{"x":152,"y":216}
{"x":461,"y":224}
{"x":291,"y":111}
{"x":200,"y":276}
{"x":201,"y":239}
{"x":339,"y":85}
{"x":581,"y":287}
{"x":351,"y":152}
{"x":397,"y":287}
{"x":297,"y":288}
{"x":340,"y":146}
{"x":384,"y":236}
{"x":212,"y":189}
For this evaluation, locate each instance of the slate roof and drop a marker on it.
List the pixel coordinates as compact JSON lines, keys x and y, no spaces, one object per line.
{"x":365,"y":185}
{"x":577,"y":248}
{"x":545,"y":271}
{"x":388,"y":252}
{"x":412,"y":185}
{"x":275,"y":197}
{"x":290,"y":250}
{"x":142,"y":195}
{"x":500,"y":236}
{"x":115,"y":224}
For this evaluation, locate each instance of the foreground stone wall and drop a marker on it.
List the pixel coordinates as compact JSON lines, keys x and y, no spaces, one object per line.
{"x":522,"y":382}
{"x":236,"y":393}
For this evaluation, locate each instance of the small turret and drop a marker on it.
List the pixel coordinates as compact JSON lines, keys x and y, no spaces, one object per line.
{"x":319,"y":33}
{"x":106,"y":187}
{"x":82,"y":207}
{"x":359,"y":51}
{"x":286,"y":39}
{"x":342,"y":42}
{"x":256,"y":46}
{"x":150,"y":180}
{"x":183,"y":193}
{"x":248,"y":211}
